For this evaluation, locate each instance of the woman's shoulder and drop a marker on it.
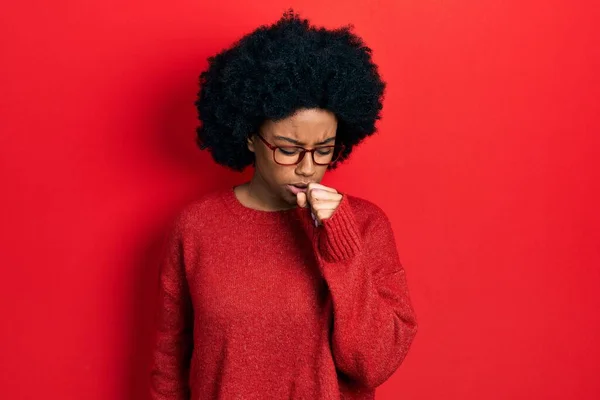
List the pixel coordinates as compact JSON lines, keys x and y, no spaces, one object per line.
{"x":366,"y":211}
{"x":206,"y":206}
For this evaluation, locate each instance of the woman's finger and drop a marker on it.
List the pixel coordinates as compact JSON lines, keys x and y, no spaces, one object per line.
{"x":319,"y":194}
{"x":324,"y":205}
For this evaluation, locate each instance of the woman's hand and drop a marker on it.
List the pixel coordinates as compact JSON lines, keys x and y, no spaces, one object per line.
{"x":322,"y":200}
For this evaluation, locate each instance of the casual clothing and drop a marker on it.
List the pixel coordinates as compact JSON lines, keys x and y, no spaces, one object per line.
{"x":263,"y":304}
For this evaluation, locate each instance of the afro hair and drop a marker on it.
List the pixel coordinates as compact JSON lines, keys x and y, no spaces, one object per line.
{"x":274,"y":71}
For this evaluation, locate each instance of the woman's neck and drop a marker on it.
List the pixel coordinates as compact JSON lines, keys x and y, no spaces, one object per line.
{"x":256,"y":194}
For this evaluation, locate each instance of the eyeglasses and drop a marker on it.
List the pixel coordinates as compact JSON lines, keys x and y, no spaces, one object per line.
{"x":292,"y":155}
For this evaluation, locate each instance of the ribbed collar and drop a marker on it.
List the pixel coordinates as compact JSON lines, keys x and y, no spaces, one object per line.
{"x":251,"y":215}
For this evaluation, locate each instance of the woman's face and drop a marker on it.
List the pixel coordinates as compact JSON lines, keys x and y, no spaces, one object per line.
{"x":307,"y":128}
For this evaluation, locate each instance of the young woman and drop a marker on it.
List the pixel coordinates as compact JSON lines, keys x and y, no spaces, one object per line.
{"x":283,"y":288}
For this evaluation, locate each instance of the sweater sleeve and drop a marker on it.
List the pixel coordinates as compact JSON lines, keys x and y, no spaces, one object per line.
{"x":173,"y":344}
{"x":373,"y":320}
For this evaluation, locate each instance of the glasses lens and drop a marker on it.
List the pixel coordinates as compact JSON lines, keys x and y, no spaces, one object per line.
{"x":287,"y":155}
{"x":324,"y":155}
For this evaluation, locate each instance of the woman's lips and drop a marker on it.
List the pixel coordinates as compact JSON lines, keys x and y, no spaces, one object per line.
{"x":295,"y":189}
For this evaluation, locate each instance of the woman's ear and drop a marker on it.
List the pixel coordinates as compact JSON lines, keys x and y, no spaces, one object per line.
{"x":250,"y":143}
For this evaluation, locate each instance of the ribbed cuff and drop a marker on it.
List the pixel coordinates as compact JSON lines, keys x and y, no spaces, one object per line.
{"x":340,"y":238}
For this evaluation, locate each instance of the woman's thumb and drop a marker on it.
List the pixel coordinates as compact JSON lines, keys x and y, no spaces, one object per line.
{"x":301,"y":199}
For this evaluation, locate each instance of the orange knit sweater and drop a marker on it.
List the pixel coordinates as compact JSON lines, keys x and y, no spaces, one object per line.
{"x":264,"y":305}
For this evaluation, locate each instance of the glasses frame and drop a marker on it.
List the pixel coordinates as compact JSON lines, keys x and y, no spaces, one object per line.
{"x":304,"y":151}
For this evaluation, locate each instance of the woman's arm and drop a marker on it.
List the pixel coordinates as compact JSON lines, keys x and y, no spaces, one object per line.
{"x":174,"y":341}
{"x":373,"y":320}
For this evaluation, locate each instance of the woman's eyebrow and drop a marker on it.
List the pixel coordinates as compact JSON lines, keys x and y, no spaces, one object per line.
{"x":301,"y":143}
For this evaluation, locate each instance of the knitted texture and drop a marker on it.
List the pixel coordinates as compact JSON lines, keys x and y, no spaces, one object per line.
{"x":263,"y":304}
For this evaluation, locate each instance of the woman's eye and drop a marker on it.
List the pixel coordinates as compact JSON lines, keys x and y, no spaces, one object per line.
{"x":324,"y":152}
{"x":288,"y":152}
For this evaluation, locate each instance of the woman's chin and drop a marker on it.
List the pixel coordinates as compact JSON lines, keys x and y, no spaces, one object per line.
{"x":290,"y":198}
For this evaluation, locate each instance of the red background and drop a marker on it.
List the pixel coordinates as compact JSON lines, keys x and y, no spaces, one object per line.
{"x":486,"y":161}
